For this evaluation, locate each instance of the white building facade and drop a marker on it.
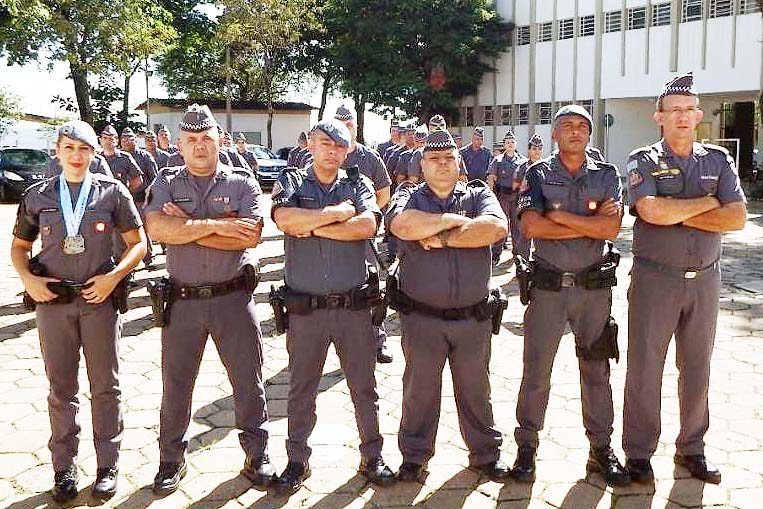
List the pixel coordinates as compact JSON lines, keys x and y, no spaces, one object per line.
{"x":613,"y":57}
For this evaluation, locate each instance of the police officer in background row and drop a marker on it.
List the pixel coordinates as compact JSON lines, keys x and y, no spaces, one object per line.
{"x":369,"y":163}
{"x":446,"y":229}
{"x":75,"y":214}
{"x":328,"y":218}
{"x":296,"y":153}
{"x":520,"y":244}
{"x":99,"y":165}
{"x":394,"y":138}
{"x":247,"y":154}
{"x":501,"y":179}
{"x":160,"y":156}
{"x":165,"y":139}
{"x":570,"y":205}
{"x":684,"y":196}
{"x":148,"y":167}
{"x":122,"y":164}
{"x":210,"y":220}
{"x":476,"y":156}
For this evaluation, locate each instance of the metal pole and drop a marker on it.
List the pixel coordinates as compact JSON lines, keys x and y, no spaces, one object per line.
{"x":148,"y":97}
{"x":228,"y":108}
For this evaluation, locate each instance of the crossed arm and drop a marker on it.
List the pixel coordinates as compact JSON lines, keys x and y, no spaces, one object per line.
{"x":336,"y":222}
{"x":563,"y":225}
{"x":463,"y":232}
{"x":705,"y":213}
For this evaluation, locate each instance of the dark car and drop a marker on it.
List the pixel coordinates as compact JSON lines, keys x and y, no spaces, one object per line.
{"x":19,"y":169}
{"x":283,"y":153}
{"x":270,"y":165}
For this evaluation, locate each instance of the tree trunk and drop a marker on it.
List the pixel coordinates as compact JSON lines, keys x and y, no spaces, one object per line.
{"x":360,"y":109}
{"x":82,"y":91}
{"x":324,"y":94}
{"x":124,"y":115}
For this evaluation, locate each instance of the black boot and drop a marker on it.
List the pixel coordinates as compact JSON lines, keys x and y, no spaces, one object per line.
{"x":382,"y":355}
{"x":259,"y":470}
{"x":524,"y":466}
{"x":105,"y":485}
{"x":604,"y":461}
{"x":497,"y":471}
{"x":411,"y":472}
{"x":699,"y":467}
{"x":168,"y":478}
{"x":639,"y":470}
{"x":377,"y":472}
{"x":292,"y":478}
{"x":65,"y":484}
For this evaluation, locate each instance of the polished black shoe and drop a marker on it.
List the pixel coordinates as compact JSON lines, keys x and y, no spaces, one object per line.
{"x":639,"y":470}
{"x":292,"y":478}
{"x":65,"y":484}
{"x":383,"y":356}
{"x":497,"y":471}
{"x":105,"y":485}
{"x":168,"y":478}
{"x":259,"y":470}
{"x":524,"y":466}
{"x":377,"y":472}
{"x":411,"y":472}
{"x":604,"y":462}
{"x":699,"y":467}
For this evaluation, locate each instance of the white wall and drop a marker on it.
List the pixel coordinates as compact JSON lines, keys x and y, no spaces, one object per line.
{"x":633,"y":128}
{"x":26,"y":134}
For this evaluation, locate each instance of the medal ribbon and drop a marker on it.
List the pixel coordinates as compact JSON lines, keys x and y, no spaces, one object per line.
{"x":73,"y":218}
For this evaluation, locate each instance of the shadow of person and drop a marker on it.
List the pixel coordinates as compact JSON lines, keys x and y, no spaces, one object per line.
{"x":519,"y":493}
{"x":36,"y":501}
{"x":452,"y":494}
{"x":583,"y":495}
{"x":686,"y":491}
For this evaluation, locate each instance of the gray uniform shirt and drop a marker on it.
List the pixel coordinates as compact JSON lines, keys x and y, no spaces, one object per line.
{"x":161,"y":157}
{"x":370,"y":164}
{"x":504,"y":167}
{"x":655,"y":170}
{"x":148,"y":166}
{"x":176,"y":158}
{"x":224,"y":194}
{"x":316,"y":265}
{"x":109,"y":207}
{"x":250,"y":159}
{"x":549,"y":186}
{"x":477,"y":161}
{"x":447,"y":277}
{"x":123,"y":166}
{"x":99,"y":165}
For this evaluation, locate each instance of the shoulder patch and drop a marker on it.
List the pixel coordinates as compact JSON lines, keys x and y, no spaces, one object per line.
{"x":717,"y":148}
{"x":641,"y":150}
{"x":605,"y":166}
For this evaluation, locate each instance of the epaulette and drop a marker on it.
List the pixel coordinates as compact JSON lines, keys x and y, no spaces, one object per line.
{"x":38,"y":186}
{"x":640,"y":150}
{"x":603,"y":165}
{"x":717,"y":148}
{"x":476,"y":183}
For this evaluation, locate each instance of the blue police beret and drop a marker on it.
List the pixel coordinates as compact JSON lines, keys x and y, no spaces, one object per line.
{"x":335,"y":130}
{"x":80,"y":131}
{"x":575,"y":109}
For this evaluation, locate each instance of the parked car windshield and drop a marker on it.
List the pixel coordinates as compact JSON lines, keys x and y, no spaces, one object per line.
{"x":28,"y":158}
{"x":263,"y":153}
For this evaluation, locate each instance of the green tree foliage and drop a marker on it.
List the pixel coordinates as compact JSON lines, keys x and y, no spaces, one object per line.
{"x":9,"y":111}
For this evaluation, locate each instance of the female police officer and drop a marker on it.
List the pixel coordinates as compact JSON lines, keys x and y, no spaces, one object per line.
{"x":71,"y":282}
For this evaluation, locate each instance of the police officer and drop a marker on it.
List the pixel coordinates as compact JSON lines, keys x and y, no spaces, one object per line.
{"x":446,"y":228}
{"x":394,"y":138}
{"x":684,"y":196}
{"x":247,"y":154}
{"x":235,"y":159}
{"x":160,"y":156}
{"x":569,"y":205}
{"x":520,"y":244}
{"x":176,"y":159}
{"x":165,"y":139}
{"x":296,"y":152}
{"x":148,"y":167}
{"x":414,"y":165}
{"x":476,"y":156}
{"x":401,"y":164}
{"x":99,"y":165}
{"x":392,"y":155}
{"x":328,"y":218}
{"x":210,"y":220}
{"x":501,"y":179}
{"x":74,"y":214}
{"x":122,"y":164}
{"x":370,"y":164}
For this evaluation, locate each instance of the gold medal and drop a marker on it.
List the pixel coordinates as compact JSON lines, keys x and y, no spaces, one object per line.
{"x":73,"y":245}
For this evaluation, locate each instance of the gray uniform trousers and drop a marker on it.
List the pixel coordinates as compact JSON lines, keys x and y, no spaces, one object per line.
{"x":231,"y":322}
{"x":545,"y":319}
{"x":427,"y":343}
{"x":659,"y":306}
{"x":307,"y":342}
{"x":519,"y":243}
{"x":64,"y":329}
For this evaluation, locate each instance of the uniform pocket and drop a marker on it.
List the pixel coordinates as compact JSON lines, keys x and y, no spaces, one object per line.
{"x":670,"y":184}
{"x":225,"y":206}
{"x":556,"y":197}
{"x":709,"y":184}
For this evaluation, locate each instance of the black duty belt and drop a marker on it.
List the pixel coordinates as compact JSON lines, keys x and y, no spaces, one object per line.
{"x":689,"y":273}
{"x":403,"y":303}
{"x":208,"y":291}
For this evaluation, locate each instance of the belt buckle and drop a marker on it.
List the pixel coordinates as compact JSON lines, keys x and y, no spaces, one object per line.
{"x":205,"y":292}
{"x":334,"y":301}
{"x":567,"y":279}
{"x":691,"y":274}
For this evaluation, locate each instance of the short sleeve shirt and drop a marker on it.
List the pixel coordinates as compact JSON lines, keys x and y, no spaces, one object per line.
{"x":161,"y":157}
{"x":476,"y":161}
{"x":224,"y":195}
{"x":110,"y":209}
{"x":549,"y":186}
{"x":123,"y":166}
{"x":655,"y":170}
{"x":316,"y":265}
{"x":504,"y":167}
{"x":370,"y":164}
{"x":148,"y":166}
{"x":448,"y":277}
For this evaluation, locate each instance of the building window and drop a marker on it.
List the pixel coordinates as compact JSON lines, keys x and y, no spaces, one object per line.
{"x":545,"y":31}
{"x":566,"y":28}
{"x":720,"y":8}
{"x":586,"y":26}
{"x":636,"y":18}
{"x":506,"y":114}
{"x":488,"y":115}
{"x":588,"y":105}
{"x":613,"y":21}
{"x":691,"y":10}
{"x":661,"y":14}
{"x":523,"y":112}
{"x":748,"y":6}
{"x":523,"y":35}
{"x":544,"y":113}
{"x":562,"y":104}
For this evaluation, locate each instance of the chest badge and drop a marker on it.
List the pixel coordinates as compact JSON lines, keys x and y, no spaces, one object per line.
{"x":99,"y":227}
{"x":556,"y":205}
{"x":46,"y":229}
{"x":592,"y":205}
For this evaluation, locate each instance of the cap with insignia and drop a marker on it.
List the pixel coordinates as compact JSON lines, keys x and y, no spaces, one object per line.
{"x":164,"y":128}
{"x":575,"y":109}
{"x":421,"y":133}
{"x":335,"y":130}
{"x":439,"y":140}
{"x":150,"y":135}
{"x":108,"y":130}
{"x":80,"y":131}
{"x":479,"y":132}
{"x":128,"y":132}
{"x":302,"y":137}
{"x":344,"y":113}
{"x":410,"y":128}
{"x":395,"y":123}
{"x":497,"y":146}
{"x":241,"y":136}
{"x":437,"y":122}
{"x":509,"y":135}
{"x":535,"y":141}
{"x":680,"y":85}
{"x":197,"y":119}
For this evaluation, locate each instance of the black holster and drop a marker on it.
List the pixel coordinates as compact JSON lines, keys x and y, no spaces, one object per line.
{"x":37,"y":269}
{"x":121,"y":293}
{"x":251,"y":278}
{"x":160,"y":291}
{"x":497,"y":302}
{"x":277,"y":299}
{"x":605,"y":347}
{"x":379,"y":303}
{"x":525,"y":271}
